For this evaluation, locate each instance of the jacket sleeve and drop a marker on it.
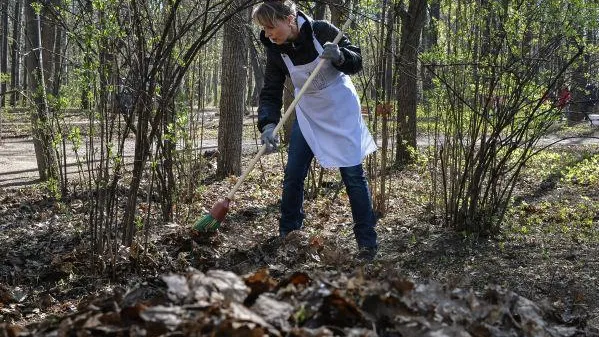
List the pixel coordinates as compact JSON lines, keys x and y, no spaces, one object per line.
{"x":271,"y":95}
{"x":326,"y":32}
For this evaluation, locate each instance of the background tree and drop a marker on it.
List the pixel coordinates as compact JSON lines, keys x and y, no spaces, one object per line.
{"x":15,"y":45}
{"x":232,"y":99}
{"x":430,"y":37}
{"x":584,"y":78}
{"x":3,"y":51}
{"x":39,"y":44}
{"x":383,"y":96}
{"x":412,"y":22}
{"x":257,"y":66}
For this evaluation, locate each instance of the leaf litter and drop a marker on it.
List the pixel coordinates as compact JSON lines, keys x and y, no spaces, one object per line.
{"x":215,"y":302}
{"x":243,"y":280}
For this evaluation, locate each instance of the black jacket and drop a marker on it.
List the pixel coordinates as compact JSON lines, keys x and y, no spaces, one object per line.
{"x":301,"y":51}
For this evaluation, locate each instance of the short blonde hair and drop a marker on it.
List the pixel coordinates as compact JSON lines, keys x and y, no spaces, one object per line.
{"x":269,"y":12}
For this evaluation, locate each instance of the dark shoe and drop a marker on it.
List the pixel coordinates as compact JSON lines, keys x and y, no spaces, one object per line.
{"x":367,"y":254}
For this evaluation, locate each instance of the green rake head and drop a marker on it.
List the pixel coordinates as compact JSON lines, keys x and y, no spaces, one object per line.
{"x":212,"y":220}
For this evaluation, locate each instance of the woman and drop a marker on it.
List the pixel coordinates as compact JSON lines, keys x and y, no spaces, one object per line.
{"x":329,"y":125}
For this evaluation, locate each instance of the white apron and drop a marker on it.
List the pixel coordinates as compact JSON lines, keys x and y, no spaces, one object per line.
{"x":329,"y":113}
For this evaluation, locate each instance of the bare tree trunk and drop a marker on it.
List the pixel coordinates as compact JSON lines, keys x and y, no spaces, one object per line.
{"x":15,"y":71}
{"x":407,"y":66}
{"x":582,"y":103}
{"x":258,"y":73}
{"x":86,"y":88}
{"x":429,"y":41}
{"x":3,"y":51}
{"x":320,"y":10}
{"x":201,"y":90}
{"x":167,"y":140}
{"x":165,"y":173}
{"x":337,"y":11}
{"x":3,"y":58}
{"x":142,"y":148}
{"x":56,"y":82}
{"x":214,"y":86}
{"x":144,"y":87}
{"x":57,"y":57}
{"x":232,"y":102}
{"x":383,"y":104}
{"x":37,"y":64}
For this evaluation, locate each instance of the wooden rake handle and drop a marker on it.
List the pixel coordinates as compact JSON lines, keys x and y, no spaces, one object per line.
{"x":287,"y":113}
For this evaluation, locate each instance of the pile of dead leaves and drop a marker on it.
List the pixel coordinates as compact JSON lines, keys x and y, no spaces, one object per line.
{"x":222,"y":303}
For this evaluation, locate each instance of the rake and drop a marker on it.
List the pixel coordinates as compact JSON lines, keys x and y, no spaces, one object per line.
{"x":217,"y":214}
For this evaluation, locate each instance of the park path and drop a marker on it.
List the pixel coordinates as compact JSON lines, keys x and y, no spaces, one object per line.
{"x":17,"y":162}
{"x":18,"y":166}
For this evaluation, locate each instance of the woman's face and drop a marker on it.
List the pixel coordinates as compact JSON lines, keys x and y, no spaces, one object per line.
{"x":282,"y":31}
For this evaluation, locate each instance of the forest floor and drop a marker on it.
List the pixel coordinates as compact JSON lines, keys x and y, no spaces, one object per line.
{"x":548,"y":251}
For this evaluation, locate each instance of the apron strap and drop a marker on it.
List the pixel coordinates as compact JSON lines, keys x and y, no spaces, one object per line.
{"x":300,"y":22}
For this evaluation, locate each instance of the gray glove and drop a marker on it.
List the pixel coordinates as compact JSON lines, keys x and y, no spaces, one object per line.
{"x":269,"y":138}
{"x":332,"y":52}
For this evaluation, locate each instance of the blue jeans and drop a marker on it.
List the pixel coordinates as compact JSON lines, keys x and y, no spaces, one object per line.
{"x":292,"y":211}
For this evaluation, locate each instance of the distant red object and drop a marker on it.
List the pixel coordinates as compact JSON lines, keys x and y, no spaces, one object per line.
{"x":565,"y":96}
{"x":383,"y":109}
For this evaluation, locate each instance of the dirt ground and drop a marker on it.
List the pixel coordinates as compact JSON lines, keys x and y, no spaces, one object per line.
{"x":46,"y":267}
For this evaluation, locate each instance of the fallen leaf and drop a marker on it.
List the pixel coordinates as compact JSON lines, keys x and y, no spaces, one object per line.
{"x":296,"y":279}
{"x":339,"y":311}
{"x":274,"y":312}
{"x":170,"y":317}
{"x":259,"y":282}
{"x":178,"y":289}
